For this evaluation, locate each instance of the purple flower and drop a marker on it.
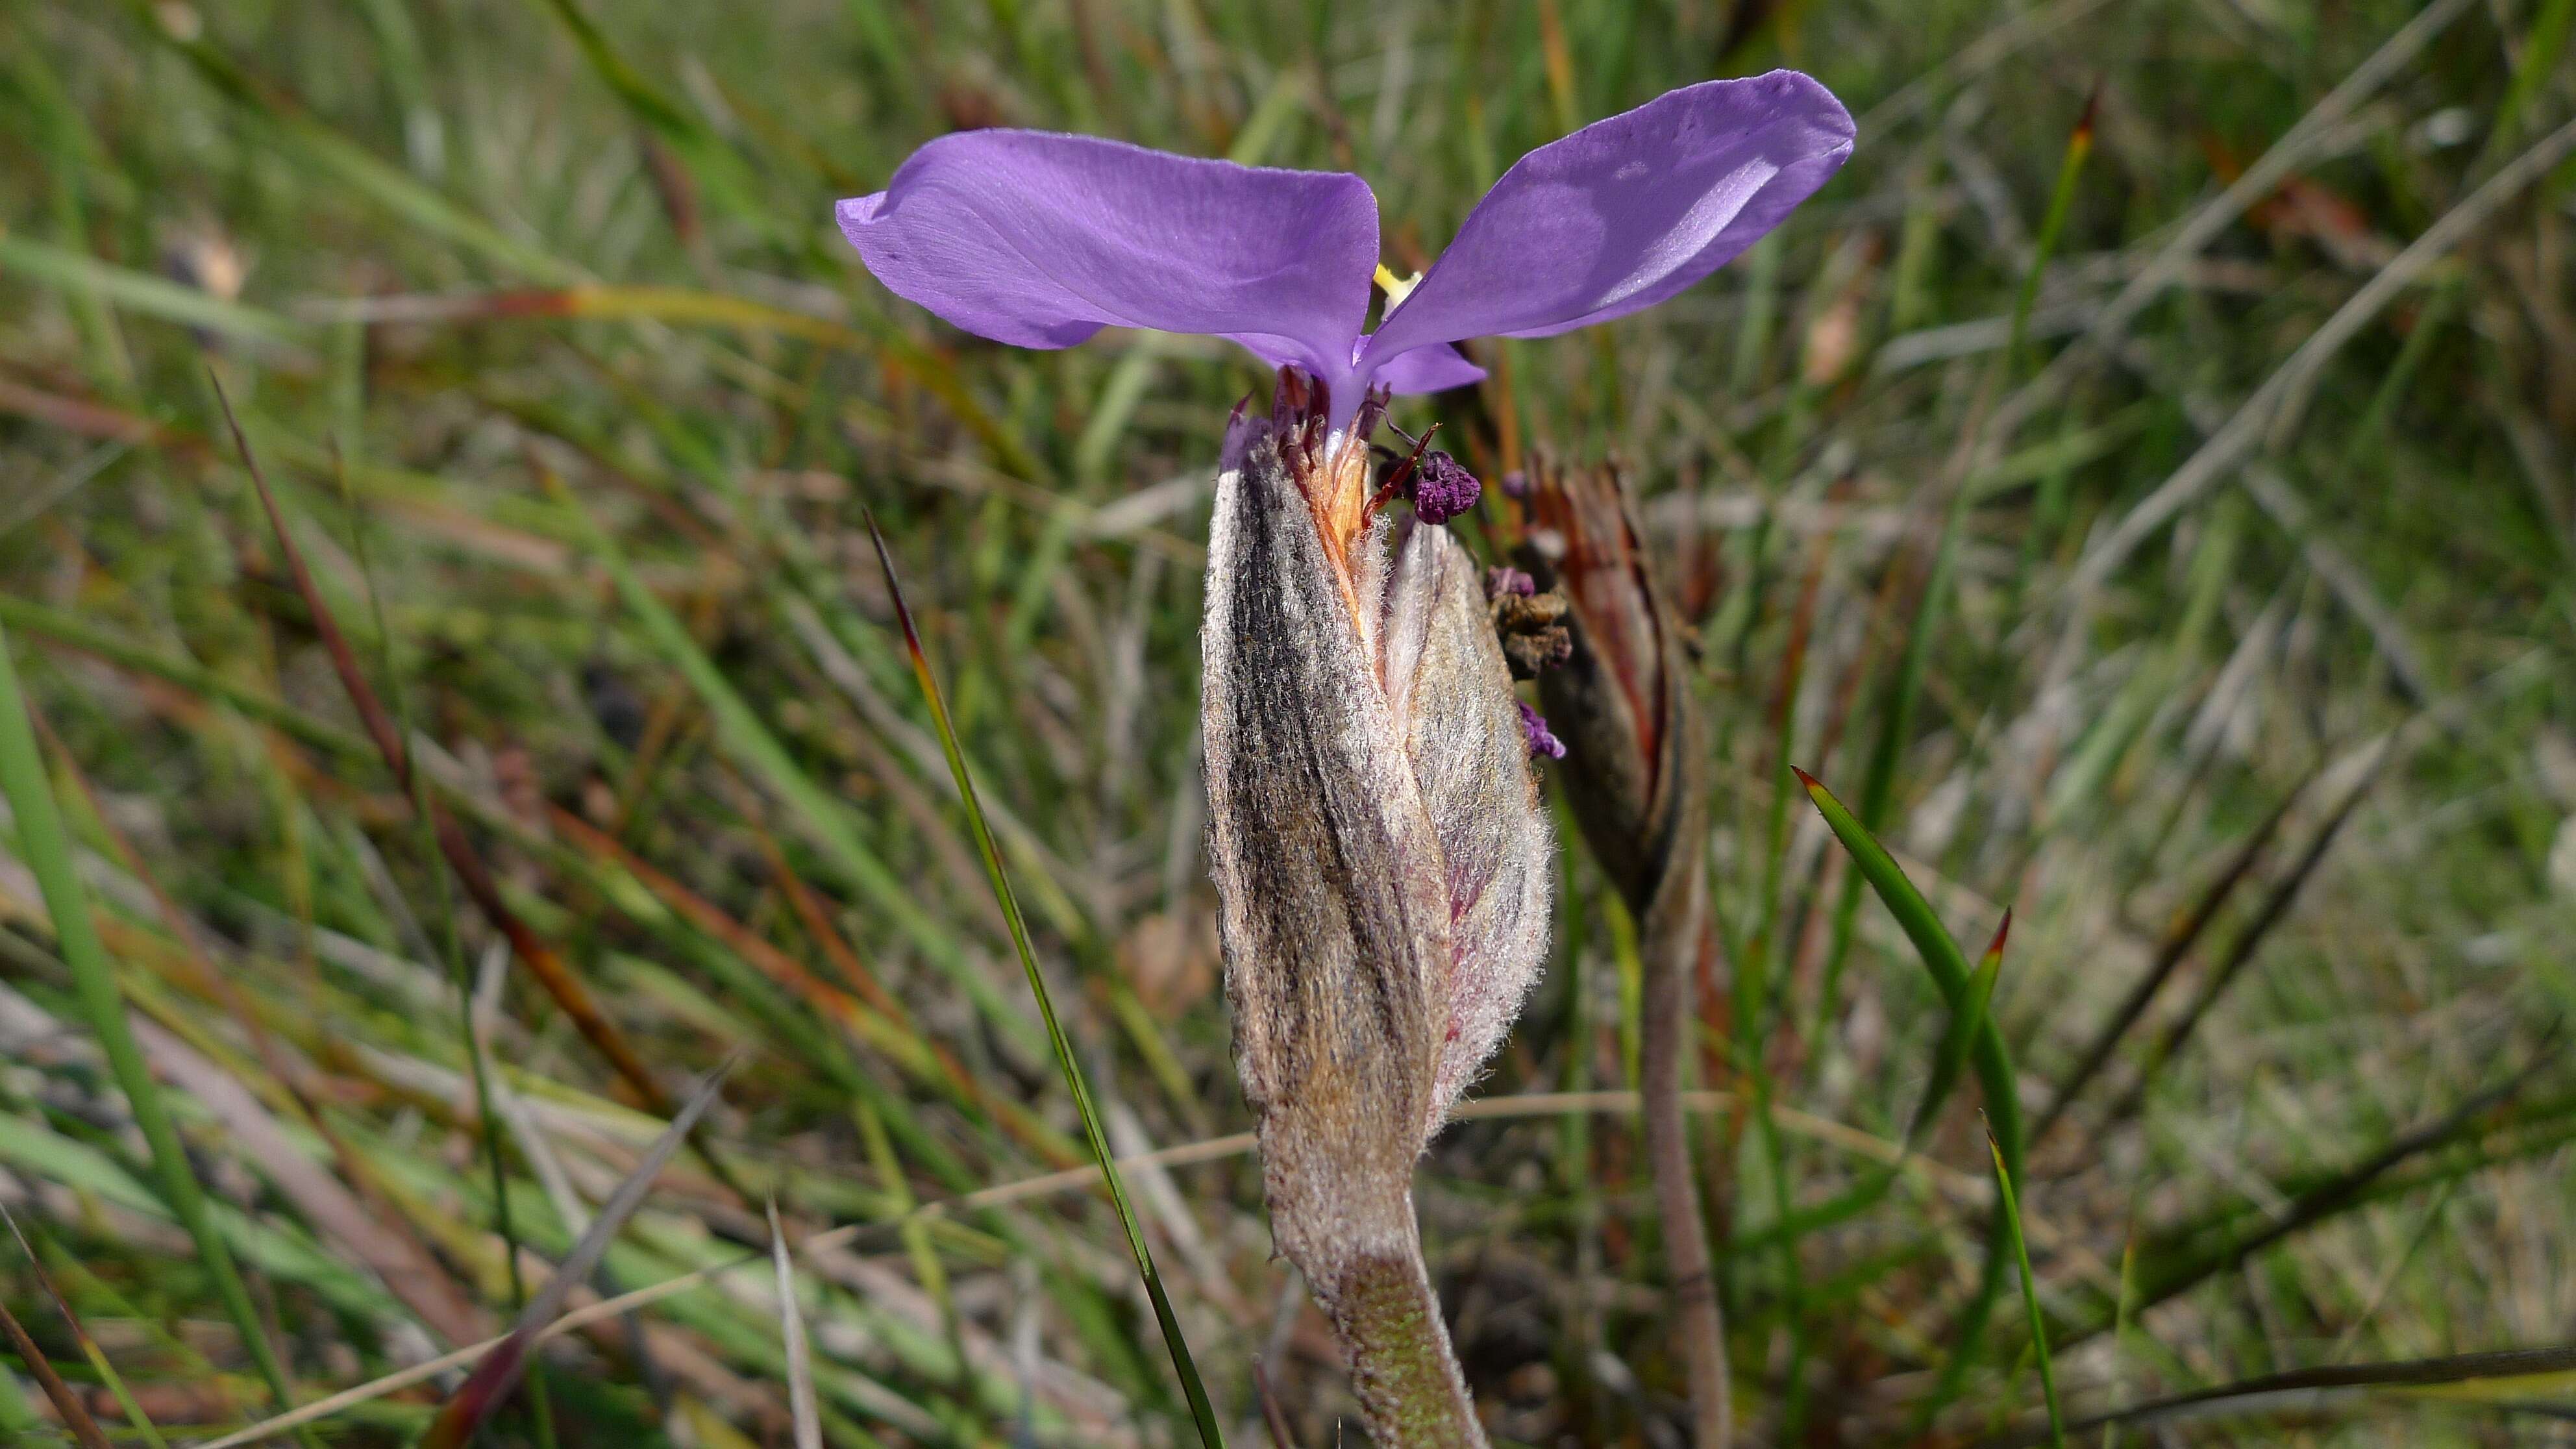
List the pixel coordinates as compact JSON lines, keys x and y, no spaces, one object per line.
{"x":1383,"y":862}
{"x":1040,"y":239}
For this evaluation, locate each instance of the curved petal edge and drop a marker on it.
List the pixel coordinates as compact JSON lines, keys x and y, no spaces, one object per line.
{"x":1627,"y":211}
{"x":1039,"y":240}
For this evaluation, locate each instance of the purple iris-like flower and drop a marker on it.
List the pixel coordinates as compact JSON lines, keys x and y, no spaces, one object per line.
{"x":1383,"y":861}
{"x":1040,"y":239}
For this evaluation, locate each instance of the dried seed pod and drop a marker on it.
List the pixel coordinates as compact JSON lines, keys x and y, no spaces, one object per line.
{"x":1617,"y":699}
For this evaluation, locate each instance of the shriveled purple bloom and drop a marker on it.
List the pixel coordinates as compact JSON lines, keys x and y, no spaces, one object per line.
{"x":1443,"y":488}
{"x":1437,"y":485}
{"x":1541,"y":740}
{"x":1041,"y":239}
{"x":1504,"y":581}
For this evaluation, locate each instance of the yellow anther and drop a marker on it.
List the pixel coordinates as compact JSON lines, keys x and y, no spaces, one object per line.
{"x":1396,"y":288}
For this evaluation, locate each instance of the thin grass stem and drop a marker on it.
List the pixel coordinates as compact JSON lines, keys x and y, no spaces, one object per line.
{"x":1201,"y":1411}
{"x":49,"y":855}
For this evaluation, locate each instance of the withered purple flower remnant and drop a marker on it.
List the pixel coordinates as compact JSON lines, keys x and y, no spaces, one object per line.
{"x":1376,"y":838}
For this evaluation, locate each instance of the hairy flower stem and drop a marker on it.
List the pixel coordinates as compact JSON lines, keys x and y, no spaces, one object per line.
{"x":1382,"y":1307}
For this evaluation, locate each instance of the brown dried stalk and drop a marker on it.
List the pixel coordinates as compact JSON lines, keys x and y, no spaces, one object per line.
{"x":1633,"y":771}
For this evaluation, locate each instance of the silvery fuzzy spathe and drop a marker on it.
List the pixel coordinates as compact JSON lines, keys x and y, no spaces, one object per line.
{"x":1376,"y":836}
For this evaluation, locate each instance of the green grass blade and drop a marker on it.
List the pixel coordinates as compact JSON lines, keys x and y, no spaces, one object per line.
{"x":1914,"y":915}
{"x":2121,"y":1313}
{"x":2029,"y":1296}
{"x":1965,"y":1021}
{"x":49,"y":855}
{"x":926,"y":1263}
{"x":1993,"y":1060}
{"x":1200,"y":1410}
{"x":2542,"y":45}
{"x":17,"y":1412}
{"x":143,"y":293}
{"x":2052,"y":229}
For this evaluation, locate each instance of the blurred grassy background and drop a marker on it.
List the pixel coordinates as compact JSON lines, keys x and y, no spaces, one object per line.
{"x":536,"y":315}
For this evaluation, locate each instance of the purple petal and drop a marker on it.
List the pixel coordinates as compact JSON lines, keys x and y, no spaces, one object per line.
{"x":1626,"y":212}
{"x":1437,"y":368}
{"x":1040,"y":240}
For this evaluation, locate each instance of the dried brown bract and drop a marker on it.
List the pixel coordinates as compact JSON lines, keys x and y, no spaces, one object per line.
{"x":1621,"y":702}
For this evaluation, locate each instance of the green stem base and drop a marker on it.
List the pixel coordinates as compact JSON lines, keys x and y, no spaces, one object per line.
{"x":1402,"y":1366}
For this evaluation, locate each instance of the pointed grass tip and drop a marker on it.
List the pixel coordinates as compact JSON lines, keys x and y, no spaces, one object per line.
{"x":894,"y":589}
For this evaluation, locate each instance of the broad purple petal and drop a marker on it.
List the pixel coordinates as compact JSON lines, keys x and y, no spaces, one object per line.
{"x":1626,"y":212}
{"x":1040,"y":240}
{"x":1437,"y":368}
